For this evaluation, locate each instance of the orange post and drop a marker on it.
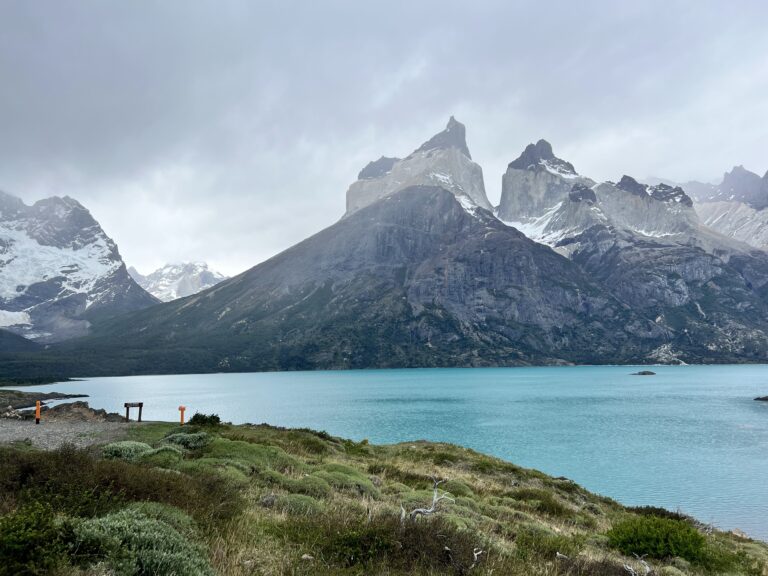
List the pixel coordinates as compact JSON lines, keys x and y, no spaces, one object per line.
{"x":37,"y":412}
{"x":181,"y":410}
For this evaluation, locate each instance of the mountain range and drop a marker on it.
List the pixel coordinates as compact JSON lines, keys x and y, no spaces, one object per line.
{"x":423,"y":271}
{"x":59,"y":271}
{"x":737,"y":207}
{"x":177,"y":280}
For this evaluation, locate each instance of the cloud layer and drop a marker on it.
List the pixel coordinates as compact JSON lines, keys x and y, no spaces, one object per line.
{"x":227,"y":131}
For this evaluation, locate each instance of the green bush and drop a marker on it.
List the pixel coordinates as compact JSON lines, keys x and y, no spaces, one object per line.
{"x":205,"y":419}
{"x":309,"y":485}
{"x":190,"y":441}
{"x":542,"y":500}
{"x":72,"y":481}
{"x":31,"y":541}
{"x":164,"y":456}
{"x":348,"y":479}
{"x":178,"y":519}
{"x":658,"y":538}
{"x":298,"y":504}
{"x":125,"y":450}
{"x":660,"y":512}
{"x":432,"y":544}
{"x":257,"y":455}
{"x":534,"y":541}
{"x":134,"y":543}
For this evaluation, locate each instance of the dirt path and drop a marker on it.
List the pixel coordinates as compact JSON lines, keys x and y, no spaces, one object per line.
{"x":50,"y":434}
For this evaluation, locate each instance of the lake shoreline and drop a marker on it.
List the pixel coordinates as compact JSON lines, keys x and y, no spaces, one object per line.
{"x":521,"y":517}
{"x":606,"y":429}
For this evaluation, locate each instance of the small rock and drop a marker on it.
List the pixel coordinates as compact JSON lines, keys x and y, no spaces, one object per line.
{"x":268,"y":501}
{"x":375,"y":480}
{"x":643,"y":373}
{"x":9,"y":412}
{"x":739,"y":534}
{"x":307,"y":557}
{"x":762,"y":398}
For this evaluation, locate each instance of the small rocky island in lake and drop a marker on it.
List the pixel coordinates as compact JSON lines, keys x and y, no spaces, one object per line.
{"x":762,"y":398}
{"x":643,"y":373}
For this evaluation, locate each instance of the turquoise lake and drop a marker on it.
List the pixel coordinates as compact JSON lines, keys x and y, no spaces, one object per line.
{"x":691,"y":437}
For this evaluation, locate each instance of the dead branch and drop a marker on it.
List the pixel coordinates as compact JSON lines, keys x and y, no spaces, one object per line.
{"x":436,"y":499}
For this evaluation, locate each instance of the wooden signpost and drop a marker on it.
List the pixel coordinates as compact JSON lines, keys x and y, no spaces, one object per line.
{"x":181,"y":411}
{"x":129,"y":405}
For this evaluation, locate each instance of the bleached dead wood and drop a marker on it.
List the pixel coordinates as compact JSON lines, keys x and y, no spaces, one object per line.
{"x":436,"y":499}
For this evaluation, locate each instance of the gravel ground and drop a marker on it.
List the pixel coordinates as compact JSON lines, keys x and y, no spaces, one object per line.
{"x":51,"y":434}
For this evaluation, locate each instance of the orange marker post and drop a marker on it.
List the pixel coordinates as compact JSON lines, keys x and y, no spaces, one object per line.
{"x":37,"y":412}
{"x":181,"y":410}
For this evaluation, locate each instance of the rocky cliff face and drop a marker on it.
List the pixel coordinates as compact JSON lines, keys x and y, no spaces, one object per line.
{"x":59,"y":271}
{"x":414,"y":279}
{"x":535,"y":184}
{"x":646,"y":245}
{"x":736,"y":220}
{"x":736,"y":208}
{"x":178,"y":280}
{"x":444,"y":160}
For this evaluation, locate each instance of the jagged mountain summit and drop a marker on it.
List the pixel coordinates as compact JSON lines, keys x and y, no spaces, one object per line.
{"x":738,"y":185}
{"x":59,"y":271}
{"x":645,"y":244}
{"x":737,"y":207}
{"x":443,"y":160}
{"x":540,"y":181}
{"x":177,"y":280}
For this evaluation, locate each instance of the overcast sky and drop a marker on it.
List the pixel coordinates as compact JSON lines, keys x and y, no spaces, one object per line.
{"x":227,"y":131}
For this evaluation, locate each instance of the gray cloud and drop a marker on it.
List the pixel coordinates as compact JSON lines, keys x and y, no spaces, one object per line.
{"x":227,"y":131}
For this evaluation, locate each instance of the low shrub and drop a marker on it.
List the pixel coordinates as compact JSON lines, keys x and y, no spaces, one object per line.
{"x":658,"y":538}
{"x":31,"y":541}
{"x":259,"y":456}
{"x":298,"y":504}
{"x":125,"y":450}
{"x":72,"y":481}
{"x":430,"y":543}
{"x":457,"y":488}
{"x":348,"y":479}
{"x":660,"y":512}
{"x":235,"y":471}
{"x":309,"y":485}
{"x":542,"y":500}
{"x":178,"y":519}
{"x":538,"y":542}
{"x":205,"y":419}
{"x":134,"y":543}
{"x":164,"y":456}
{"x":190,"y":441}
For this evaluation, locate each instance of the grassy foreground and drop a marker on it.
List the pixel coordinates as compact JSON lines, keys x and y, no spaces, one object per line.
{"x":222,"y":499}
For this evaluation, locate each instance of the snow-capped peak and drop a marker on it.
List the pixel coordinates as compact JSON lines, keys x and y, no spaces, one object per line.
{"x":177,"y":280}
{"x":57,"y":264}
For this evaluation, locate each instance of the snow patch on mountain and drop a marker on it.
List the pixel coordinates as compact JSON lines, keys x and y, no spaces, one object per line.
{"x":57,"y":266}
{"x":13,"y":319}
{"x":25,"y":262}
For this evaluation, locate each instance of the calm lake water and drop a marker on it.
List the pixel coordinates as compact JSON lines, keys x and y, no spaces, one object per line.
{"x":691,"y":437}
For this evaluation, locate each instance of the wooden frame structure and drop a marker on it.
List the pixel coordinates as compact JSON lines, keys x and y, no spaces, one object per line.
{"x":128,"y":406}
